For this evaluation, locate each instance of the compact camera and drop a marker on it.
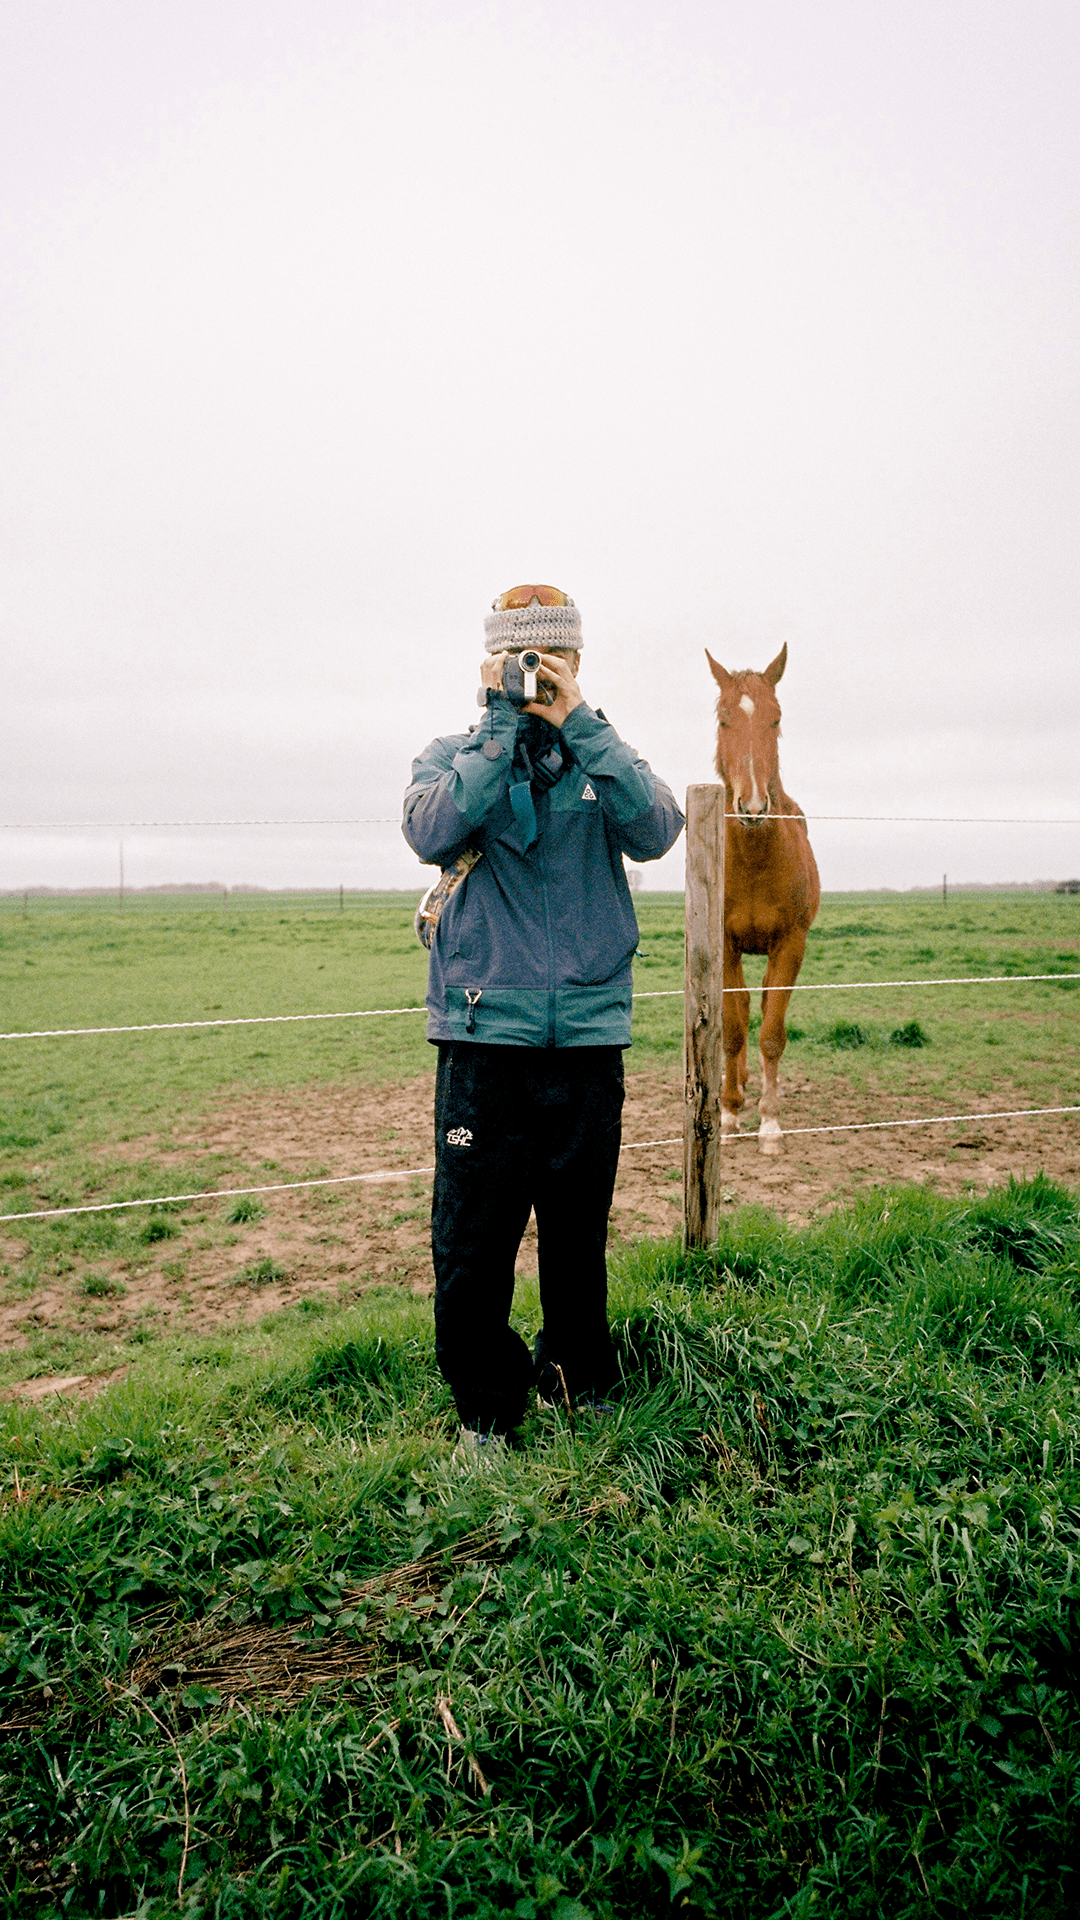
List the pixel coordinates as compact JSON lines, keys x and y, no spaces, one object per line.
{"x":520,"y":683}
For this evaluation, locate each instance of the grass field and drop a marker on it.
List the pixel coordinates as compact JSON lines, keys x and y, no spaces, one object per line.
{"x":89,"y":965}
{"x":793,"y":1631}
{"x":121,"y":1116}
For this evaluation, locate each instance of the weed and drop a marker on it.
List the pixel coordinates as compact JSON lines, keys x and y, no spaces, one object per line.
{"x":909,"y":1035}
{"x":846,"y":1034}
{"x":101,"y":1286}
{"x":261,"y":1273}
{"x":246,"y":1210}
{"x":158,"y":1227}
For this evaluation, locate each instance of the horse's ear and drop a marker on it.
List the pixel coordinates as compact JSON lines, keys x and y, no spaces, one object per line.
{"x":720,"y":674}
{"x":776,"y":667}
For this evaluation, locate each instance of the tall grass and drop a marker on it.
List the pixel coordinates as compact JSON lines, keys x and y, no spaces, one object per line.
{"x":793,"y":1631}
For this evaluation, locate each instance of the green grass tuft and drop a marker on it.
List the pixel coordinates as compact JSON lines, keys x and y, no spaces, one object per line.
{"x":261,"y":1273}
{"x":911,"y":1034}
{"x":158,"y":1226}
{"x":844,"y":1034}
{"x":246,"y":1210}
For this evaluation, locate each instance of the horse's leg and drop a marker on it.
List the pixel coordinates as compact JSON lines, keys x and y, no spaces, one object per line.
{"x":781,"y":974}
{"x":736,"y":1021}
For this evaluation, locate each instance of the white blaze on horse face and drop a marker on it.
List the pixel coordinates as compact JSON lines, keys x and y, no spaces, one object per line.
{"x":739,"y":770}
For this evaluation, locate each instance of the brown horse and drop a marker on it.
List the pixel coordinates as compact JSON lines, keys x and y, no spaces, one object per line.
{"x":771,"y":885}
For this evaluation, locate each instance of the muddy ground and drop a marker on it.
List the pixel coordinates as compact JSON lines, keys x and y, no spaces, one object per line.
{"x":338,"y":1242}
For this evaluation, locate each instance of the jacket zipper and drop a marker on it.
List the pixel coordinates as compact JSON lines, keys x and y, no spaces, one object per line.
{"x":542,"y":851}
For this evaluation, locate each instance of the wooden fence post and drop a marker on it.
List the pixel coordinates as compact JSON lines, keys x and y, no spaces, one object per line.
{"x":704,"y":1048}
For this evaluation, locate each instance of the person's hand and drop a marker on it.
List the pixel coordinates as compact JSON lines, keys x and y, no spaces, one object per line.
{"x":557,"y":668}
{"x":491,"y":670}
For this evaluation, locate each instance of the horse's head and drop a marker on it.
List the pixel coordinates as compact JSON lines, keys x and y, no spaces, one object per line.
{"x":748,"y":729}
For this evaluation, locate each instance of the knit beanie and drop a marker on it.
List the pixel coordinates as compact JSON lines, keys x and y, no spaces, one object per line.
{"x":540,"y":617}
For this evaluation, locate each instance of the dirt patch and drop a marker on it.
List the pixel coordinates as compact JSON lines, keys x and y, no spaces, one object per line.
{"x":338,"y":1242}
{"x":71,"y":1386}
{"x":819,"y":1170}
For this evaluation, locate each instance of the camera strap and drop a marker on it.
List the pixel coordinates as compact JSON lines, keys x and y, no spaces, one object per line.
{"x":429,"y":912}
{"x":521,"y":806}
{"x":548,"y":767}
{"x":543,"y":769}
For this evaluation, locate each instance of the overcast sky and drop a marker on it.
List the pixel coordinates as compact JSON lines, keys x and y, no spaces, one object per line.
{"x":322,"y":323}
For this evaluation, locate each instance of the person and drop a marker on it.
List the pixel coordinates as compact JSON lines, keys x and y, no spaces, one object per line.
{"x":529,"y":996}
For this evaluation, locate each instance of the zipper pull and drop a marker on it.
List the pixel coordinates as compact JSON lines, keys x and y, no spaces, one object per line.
{"x":472,"y":998}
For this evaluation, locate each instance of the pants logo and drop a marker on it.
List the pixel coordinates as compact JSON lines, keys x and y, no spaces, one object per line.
{"x":459,"y":1137}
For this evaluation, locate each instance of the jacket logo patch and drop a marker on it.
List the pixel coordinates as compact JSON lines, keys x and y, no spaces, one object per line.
{"x":587,"y":792}
{"x":459,"y":1137}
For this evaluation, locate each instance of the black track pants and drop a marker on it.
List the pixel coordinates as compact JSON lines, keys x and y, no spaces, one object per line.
{"x":518,"y":1128}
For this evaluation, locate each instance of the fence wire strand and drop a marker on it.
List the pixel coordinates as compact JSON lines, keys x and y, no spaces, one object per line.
{"x":657,"y":993}
{"x":410,"y":1173}
{"x":892,"y":819}
{"x":245,"y":1020}
{"x":136,"y":826}
{"x":873,"y":1126}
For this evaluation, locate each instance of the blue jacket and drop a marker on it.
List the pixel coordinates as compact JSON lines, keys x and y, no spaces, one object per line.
{"x":540,"y":936}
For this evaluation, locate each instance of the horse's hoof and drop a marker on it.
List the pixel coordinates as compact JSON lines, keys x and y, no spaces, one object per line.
{"x":770,"y":1137}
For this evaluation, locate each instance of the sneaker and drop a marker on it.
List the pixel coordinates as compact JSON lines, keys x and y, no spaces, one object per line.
{"x":477,"y":1449}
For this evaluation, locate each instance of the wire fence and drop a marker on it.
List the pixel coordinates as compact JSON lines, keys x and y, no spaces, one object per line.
{"x":237,"y":902}
{"x":388,"y":820}
{"x":413,"y":1173}
{"x":1057,"y":977}
{"x":655,"y":993}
